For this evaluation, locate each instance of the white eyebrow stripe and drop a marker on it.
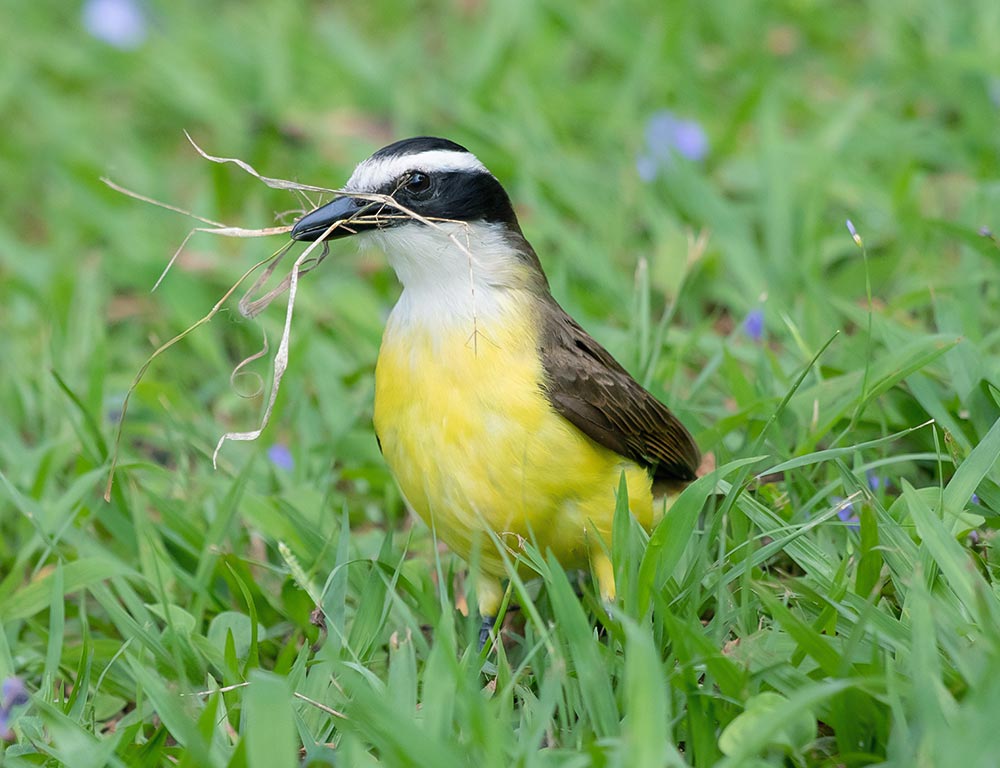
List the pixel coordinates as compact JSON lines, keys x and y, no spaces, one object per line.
{"x":374,"y":173}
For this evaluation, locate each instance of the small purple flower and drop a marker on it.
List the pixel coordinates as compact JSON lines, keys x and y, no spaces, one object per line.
{"x":120,"y":23}
{"x":753,"y":324}
{"x":974,"y":538}
{"x":974,"y":498}
{"x":985,"y":231}
{"x":846,"y":513}
{"x":874,"y":481}
{"x":666,"y":136}
{"x":281,"y":457}
{"x":14,"y":694}
{"x":854,"y":233}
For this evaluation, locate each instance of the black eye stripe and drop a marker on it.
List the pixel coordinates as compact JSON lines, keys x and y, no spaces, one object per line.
{"x":456,"y":195}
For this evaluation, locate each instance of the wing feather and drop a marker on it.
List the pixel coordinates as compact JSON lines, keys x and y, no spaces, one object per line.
{"x":589,"y":388}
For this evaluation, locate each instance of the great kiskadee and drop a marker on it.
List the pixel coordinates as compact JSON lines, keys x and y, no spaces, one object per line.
{"x":494,"y":409}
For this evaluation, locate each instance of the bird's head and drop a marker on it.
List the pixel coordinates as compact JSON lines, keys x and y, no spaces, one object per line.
{"x":433,"y":208}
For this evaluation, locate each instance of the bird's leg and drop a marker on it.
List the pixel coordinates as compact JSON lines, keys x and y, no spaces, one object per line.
{"x":489,"y":594}
{"x":484,"y":631}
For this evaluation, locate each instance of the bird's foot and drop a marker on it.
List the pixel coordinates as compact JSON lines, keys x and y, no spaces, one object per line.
{"x":484,"y":631}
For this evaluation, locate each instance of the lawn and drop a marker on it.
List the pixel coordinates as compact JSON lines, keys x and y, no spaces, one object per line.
{"x":778,"y":216}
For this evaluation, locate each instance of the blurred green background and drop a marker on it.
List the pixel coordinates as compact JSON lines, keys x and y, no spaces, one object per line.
{"x":813,"y":113}
{"x":685,"y":170}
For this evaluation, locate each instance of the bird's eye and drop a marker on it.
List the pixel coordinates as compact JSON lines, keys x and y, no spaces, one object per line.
{"x":418,"y":182}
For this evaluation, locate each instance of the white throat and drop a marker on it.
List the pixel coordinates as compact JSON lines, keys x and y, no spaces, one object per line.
{"x":452,"y":272}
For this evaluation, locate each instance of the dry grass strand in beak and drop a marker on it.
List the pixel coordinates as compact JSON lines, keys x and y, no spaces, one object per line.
{"x":239,"y":373}
{"x":271,"y":182}
{"x":281,"y":356}
{"x":250,"y":307}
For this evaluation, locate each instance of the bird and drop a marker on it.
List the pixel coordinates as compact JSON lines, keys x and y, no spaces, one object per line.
{"x":500,"y":417}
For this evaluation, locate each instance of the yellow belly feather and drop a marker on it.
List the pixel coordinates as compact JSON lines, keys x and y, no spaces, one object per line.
{"x":475,"y":445}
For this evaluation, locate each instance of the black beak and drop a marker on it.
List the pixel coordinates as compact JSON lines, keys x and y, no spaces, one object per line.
{"x":343,"y":209}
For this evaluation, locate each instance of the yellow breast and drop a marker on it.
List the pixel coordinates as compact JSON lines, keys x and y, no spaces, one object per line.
{"x":475,"y":445}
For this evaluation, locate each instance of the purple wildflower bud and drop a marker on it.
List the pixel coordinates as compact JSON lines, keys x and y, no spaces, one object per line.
{"x":874,"y":481}
{"x":985,"y":232}
{"x":666,"y":136}
{"x":846,"y":513}
{"x":690,"y":140}
{"x":974,"y":538}
{"x":753,"y":324}
{"x":281,"y":457}
{"x":14,"y":692}
{"x":854,"y":233}
{"x":119,"y":23}
{"x":974,"y":498}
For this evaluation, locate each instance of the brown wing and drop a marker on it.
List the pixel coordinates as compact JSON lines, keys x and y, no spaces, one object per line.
{"x":588,"y":387}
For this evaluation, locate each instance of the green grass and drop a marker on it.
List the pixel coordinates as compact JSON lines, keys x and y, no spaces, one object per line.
{"x":768,"y":625}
